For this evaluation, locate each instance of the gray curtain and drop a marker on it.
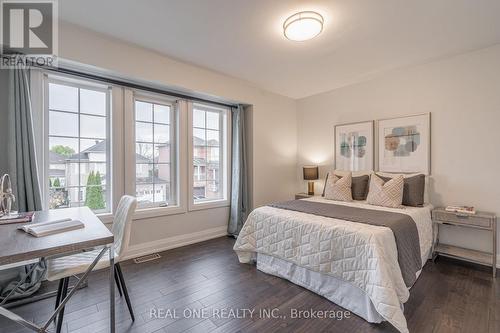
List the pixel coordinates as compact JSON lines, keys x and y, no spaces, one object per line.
{"x":21,"y":144}
{"x":239,"y":177}
{"x":19,"y":152}
{"x":4,"y":116}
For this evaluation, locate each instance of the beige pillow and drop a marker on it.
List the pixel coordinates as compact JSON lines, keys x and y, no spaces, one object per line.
{"x":386,"y":194}
{"x":337,"y":188}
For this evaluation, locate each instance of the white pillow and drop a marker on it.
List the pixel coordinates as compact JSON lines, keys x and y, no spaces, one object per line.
{"x":386,"y":194}
{"x":337,"y":188}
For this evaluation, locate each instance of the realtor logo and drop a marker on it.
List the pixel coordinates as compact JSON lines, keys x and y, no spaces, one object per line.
{"x":29,"y":32}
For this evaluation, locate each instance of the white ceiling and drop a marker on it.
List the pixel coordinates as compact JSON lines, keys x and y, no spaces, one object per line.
{"x":244,"y":38}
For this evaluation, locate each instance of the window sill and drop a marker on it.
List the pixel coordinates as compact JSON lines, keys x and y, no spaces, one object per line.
{"x":147,"y":213}
{"x":106,"y":218}
{"x":209,"y":205}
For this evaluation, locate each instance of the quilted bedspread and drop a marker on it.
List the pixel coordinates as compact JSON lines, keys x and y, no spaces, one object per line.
{"x":361,"y":254}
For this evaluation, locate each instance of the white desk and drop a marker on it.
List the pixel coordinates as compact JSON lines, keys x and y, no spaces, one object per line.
{"x":17,"y":246}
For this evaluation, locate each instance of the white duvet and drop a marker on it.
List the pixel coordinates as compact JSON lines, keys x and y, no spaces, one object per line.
{"x":361,"y":254}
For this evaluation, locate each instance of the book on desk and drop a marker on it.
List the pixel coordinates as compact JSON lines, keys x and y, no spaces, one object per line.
{"x":51,"y":227}
{"x":17,"y":218}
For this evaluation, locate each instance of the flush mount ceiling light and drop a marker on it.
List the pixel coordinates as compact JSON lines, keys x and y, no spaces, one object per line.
{"x":303,"y":26}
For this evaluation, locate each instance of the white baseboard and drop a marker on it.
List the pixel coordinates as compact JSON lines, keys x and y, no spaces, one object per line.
{"x":160,"y":245}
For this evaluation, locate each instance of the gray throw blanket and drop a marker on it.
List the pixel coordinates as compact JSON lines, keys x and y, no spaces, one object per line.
{"x":404,"y":229}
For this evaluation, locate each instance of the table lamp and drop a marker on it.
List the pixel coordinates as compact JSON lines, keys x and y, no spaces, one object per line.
{"x":310,"y":173}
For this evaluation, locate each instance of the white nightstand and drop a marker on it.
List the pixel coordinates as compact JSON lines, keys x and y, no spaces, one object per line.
{"x":479,"y":221}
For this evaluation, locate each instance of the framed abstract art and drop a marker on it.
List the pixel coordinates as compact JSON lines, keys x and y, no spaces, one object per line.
{"x":354,"y":146}
{"x":404,"y":144}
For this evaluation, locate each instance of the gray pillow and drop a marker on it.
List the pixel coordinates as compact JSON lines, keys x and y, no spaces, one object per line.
{"x":359,"y":186}
{"x":413,"y":190}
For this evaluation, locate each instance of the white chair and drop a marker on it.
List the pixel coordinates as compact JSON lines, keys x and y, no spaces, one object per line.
{"x":64,"y":267}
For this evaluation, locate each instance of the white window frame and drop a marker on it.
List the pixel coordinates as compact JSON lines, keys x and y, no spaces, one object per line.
{"x":172,"y":141}
{"x":178,"y":159}
{"x":84,"y":84}
{"x":225,"y":178}
{"x":121,"y":136}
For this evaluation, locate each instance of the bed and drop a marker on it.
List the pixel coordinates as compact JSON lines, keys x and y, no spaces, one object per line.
{"x":354,"y":265}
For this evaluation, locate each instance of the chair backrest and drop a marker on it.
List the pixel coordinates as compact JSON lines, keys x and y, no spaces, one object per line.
{"x":122,"y":224}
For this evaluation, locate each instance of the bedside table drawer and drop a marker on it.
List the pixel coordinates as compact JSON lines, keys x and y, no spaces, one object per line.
{"x":471,"y":220}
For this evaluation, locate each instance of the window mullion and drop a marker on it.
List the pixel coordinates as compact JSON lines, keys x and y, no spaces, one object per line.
{"x":153,"y":152}
{"x":79,"y":151}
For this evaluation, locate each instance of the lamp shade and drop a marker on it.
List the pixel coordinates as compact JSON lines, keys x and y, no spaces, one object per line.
{"x":310,"y":172}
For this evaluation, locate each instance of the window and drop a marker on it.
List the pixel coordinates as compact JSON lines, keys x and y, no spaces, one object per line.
{"x":209,"y":154}
{"x":155,"y":153}
{"x":77,"y":145}
{"x":101,"y":141}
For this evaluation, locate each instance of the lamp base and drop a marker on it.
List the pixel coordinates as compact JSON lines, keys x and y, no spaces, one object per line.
{"x":310,"y":188}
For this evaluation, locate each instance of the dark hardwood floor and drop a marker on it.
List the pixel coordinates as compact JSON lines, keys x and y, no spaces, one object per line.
{"x":449,"y":296}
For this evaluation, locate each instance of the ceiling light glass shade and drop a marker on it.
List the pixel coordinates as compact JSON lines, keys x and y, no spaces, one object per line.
{"x":303,"y":26}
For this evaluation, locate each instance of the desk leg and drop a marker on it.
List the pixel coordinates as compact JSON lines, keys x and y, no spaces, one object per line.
{"x":112,"y":288}
{"x":43,"y":329}
{"x":75,"y":288}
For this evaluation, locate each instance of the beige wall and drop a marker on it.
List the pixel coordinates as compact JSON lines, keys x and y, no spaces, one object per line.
{"x":273,"y":130}
{"x":463,"y":95}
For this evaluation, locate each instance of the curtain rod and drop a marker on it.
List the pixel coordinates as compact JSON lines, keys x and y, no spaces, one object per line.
{"x":135,"y":86}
